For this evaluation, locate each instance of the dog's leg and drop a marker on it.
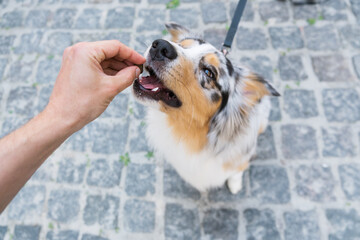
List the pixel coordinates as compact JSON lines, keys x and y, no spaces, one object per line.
{"x":234,"y":183}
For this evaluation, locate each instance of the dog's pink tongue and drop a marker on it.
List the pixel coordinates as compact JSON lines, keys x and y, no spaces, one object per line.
{"x":150,"y":82}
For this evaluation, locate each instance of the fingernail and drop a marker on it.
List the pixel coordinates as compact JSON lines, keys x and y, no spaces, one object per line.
{"x":137,"y":72}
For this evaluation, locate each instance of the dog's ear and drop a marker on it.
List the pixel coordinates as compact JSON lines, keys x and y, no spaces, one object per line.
{"x":177,"y":31}
{"x":256,"y":87}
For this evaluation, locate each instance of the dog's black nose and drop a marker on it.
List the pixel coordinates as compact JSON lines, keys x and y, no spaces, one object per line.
{"x":161,"y":50}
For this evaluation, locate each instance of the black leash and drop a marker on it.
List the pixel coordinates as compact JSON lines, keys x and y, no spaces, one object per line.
{"x":233,"y":27}
{"x":237,"y":16}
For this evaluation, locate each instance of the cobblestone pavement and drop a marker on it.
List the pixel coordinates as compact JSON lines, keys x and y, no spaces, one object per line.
{"x":304,"y":183}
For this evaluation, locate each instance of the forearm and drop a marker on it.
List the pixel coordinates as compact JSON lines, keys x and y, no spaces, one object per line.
{"x":23,"y":151}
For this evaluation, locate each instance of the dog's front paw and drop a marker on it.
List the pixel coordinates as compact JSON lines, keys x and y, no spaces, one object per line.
{"x":234,"y":183}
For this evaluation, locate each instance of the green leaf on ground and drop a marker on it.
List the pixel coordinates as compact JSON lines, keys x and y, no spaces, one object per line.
{"x":173,"y":4}
{"x":149,"y":154}
{"x":125,"y":159}
{"x":311,"y":21}
{"x":165,"y":32}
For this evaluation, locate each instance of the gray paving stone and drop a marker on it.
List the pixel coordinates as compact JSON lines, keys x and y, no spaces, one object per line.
{"x":28,"y":202}
{"x":47,"y":70}
{"x":26,"y":232}
{"x":300,"y":103}
{"x":123,"y":37}
{"x":44,"y":96}
{"x":186,"y":17}
{"x":291,"y":68}
{"x":57,"y":42}
{"x":92,"y":237}
{"x":315,"y":182}
{"x":261,"y":224}
{"x":89,"y":19}
{"x":21,"y":101}
{"x":332,"y":10}
{"x":73,"y":1}
{"x":140,"y":179}
{"x":344,"y":224}
{"x":274,"y":10}
{"x":152,"y":20}
{"x":118,"y":107}
{"x":341,"y":105}
{"x":181,"y":223}
{"x":286,"y":37}
{"x":120,"y":18}
{"x":223,"y":194}
{"x":248,"y":14}
{"x":321,"y":38}
{"x":104,"y":173}
{"x":79,"y":140}
{"x":331,"y":68}
{"x":37,"y":18}
{"x":30,"y":43}
{"x":21,"y":70}
{"x":338,"y":142}
{"x":298,"y":142}
{"x":107,"y":137}
{"x":215,"y":37}
{"x":70,"y":171}
{"x":305,"y":12}
{"x":221,"y":224}
{"x":12,"y":123}
{"x":45,"y":173}
{"x":62,"y":235}
{"x":64,"y":205}
{"x":138,"y":140}
{"x":251,"y":39}
{"x":301,"y":225}
{"x":261,"y":65}
{"x":350,"y":180}
{"x":64,"y":18}
{"x":12,"y":19}
{"x":356,"y":62}
{"x":213,"y":12}
{"x":351,"y":33}
{"x":139,"y":216}
{"x":266,"y":146}
{"x":3,"y":230}
{"x":101,"y":211}
{"x":158,"y":1}
{"x":355,"y":6}
{"x":5,"y":43}
{"x":142,"y":43}
{"x":335,"y":4}
{"x":269,"y":184}
{"x":176,"y":187}
{"x":275,"y":113}
{"x":139,"y":110}
{"x":3,"y":64}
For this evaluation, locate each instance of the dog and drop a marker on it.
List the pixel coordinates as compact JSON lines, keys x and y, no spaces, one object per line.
{"x":204,"y":113}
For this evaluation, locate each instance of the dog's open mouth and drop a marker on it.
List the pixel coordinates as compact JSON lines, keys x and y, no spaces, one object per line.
{"x":150,"y":86}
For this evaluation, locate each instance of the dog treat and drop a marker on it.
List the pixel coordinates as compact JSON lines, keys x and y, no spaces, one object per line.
{"x":141,"y":66}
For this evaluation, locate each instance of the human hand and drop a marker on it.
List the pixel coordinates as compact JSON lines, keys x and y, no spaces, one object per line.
{"x":91,"y":75}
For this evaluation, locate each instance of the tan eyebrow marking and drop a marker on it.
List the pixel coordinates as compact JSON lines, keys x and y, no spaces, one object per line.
{"x":212,"y":59}
{"x":187,"y":43}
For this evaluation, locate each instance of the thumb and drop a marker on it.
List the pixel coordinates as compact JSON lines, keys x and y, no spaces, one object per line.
{"x":125,"y":77}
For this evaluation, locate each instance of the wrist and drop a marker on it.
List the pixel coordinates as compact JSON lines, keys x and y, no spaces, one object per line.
{"x":58,"y":121}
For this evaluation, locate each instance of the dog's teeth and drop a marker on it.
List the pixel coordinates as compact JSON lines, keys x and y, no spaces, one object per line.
{"x":155,"y":89}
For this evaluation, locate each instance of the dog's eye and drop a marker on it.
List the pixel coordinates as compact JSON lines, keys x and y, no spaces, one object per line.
{"x":209,"y":73}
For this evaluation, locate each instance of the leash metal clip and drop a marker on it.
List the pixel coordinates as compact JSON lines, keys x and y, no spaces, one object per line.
{"x":225,"y":50}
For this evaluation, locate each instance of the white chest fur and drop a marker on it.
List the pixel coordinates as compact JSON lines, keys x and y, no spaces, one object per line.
{"x":204,"y":169}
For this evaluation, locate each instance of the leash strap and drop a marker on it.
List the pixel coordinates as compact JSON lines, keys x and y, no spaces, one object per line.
{"x":233,"y":27}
